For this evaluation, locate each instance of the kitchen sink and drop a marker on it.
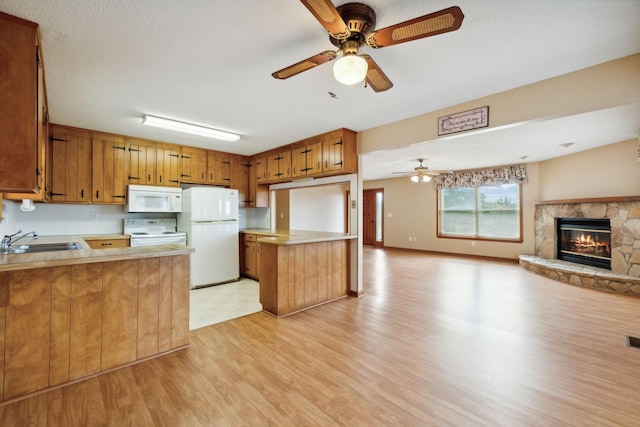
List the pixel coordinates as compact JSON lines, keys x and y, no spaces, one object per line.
{"x":44,"y":247}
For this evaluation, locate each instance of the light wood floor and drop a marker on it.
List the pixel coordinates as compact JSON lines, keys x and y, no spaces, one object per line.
{"x":437,"y":341}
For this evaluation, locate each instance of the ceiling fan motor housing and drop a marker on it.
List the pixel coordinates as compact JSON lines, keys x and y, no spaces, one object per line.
{"x":360,"y":20}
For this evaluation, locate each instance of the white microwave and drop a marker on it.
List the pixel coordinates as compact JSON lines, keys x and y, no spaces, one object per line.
{"x":147,"y":198}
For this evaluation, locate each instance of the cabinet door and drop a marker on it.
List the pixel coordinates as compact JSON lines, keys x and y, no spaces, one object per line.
{"x":250,"y":259}
{"x":314,"y":158}
{"x":240,"y":178}
{"x":285,"y":165}
{"x":251,"y":202}
{"x":332,"y":152}
{"x":219,"y":168}
{"x":141,"y":162}
{"x":27,"y":330}
{"x":108,"y":176}
{"x":261,"y":170}
{"x":298,"y":161}
{"x":193,"y":165}
{"x":70,"y":166}
{"x":19,"y":107}
{"x":167,"y":166}
{"x":273,"y":168}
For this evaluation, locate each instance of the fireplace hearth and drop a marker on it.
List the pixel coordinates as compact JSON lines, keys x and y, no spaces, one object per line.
{"x":623,"y":214}
{"x":584,"y":241}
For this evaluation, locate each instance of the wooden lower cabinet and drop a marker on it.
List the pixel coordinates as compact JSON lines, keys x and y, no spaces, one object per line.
{"x":303,"y":275}
{"x":59,"y":324}
{"x":249,"y":256}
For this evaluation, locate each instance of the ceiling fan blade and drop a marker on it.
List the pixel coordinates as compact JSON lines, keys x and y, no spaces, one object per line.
{"x":325,"y":12}
{"x":305,"y":64}
{"x":443,"y":21}
{"x":378,"y":80}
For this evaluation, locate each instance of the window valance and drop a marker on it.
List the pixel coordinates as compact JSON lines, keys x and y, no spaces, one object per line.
{"x":495,"y":176}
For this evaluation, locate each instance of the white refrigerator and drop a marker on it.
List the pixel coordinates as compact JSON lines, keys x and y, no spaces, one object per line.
{"x":210,"y":219}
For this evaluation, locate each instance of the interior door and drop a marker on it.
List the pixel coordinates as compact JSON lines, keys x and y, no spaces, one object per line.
{"x":372,"y":218}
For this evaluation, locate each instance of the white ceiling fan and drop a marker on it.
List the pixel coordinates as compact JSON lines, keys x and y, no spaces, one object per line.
{"x":422,"y":173}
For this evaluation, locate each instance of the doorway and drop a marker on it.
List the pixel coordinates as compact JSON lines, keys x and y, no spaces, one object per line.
{"x":372,"y":218}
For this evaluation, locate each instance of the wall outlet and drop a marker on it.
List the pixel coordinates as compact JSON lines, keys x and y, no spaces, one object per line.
{"x":473,"y":243}
{"x":94,"y":216}
{"x":410,"y":238}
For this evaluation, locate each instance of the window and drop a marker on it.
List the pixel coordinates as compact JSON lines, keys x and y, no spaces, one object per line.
{"x":489,"y":212}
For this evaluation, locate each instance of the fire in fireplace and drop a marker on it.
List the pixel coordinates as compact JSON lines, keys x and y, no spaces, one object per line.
{"x":585,"y":241}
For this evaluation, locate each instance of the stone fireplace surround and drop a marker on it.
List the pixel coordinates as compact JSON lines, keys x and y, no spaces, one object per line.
{"x":624,"y":214}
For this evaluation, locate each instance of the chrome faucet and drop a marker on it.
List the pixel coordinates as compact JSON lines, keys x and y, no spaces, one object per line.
{"x":7,"y":241}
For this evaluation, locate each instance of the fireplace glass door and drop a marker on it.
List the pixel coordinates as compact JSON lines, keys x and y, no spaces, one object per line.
{"x":585,"y":241}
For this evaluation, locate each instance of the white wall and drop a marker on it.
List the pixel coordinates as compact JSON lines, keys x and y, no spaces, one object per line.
{"x":321,"y":208}
{"x":64,"y":219}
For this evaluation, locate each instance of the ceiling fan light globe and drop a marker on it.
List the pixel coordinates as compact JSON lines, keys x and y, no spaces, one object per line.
{"x":415,"y":178}
{"x":426,"y":178}
{"x":350,"y":69}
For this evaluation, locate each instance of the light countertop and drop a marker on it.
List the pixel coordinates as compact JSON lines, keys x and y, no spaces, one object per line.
{"x":84,"y":255}
{"x":296,"y":237}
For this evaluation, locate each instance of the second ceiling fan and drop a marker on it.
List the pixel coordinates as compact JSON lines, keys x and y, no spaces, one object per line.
{"x":352,"y":26}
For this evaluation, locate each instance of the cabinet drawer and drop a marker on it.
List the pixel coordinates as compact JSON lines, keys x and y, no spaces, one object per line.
{"x":250,"y":237}
{"x":108,"y":243}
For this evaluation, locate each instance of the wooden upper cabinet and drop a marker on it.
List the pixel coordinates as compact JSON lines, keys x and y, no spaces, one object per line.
{"x":69,"y":168}
{"x":23,"y":114}
{"x":306,"y":158}
{"x":339,"y":152}
{"x":193,"y":163}
{"x":279,"y":166}
{"x":141,"y":162}
{"x":168,"y":165}
{"x":314,"y":158}
{"x":240,"y":178}
{"x":218,"y":168}
{"x":261,"y":169}
{"x":108,"y":176}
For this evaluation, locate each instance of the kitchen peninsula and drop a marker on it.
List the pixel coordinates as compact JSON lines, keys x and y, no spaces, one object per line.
{"x":302,"y":269}
{"x":72,"y":314}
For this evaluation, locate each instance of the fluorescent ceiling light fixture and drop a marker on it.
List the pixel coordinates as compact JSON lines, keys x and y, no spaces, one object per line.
{"x":163,"y":123}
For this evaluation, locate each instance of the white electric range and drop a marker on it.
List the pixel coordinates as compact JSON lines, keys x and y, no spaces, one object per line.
{"x":149,"y":232}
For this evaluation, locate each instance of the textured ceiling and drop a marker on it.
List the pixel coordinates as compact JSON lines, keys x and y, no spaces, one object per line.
{"x":109,"y":62}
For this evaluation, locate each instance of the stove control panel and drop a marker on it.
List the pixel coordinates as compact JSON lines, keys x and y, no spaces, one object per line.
{"x":140,"y":225}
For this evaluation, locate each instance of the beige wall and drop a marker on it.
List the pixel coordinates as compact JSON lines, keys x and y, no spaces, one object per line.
{"x":609,"y":85}
{"x":608,"y":171}
{"x":410,"y":211}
